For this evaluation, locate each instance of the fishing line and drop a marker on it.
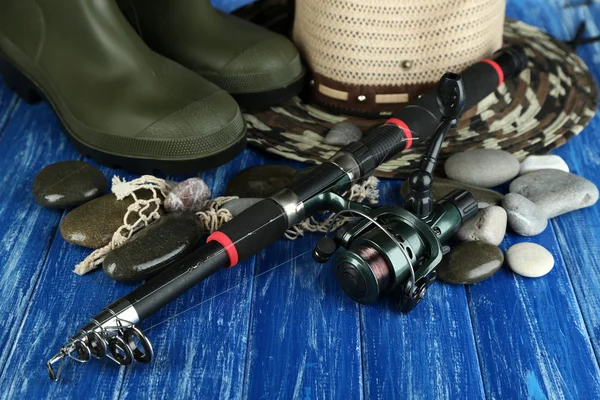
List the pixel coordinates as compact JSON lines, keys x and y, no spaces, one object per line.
{"x":223,"y":250}
{"x":242,"y":283}
{"x":251,"y":279}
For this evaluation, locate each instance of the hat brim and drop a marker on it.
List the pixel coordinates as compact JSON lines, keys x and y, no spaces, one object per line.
{"x":550,"y":102}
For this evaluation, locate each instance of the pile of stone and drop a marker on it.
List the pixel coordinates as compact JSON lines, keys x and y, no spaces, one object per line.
{"x":541,"y":188}
{"x":96,"y":216}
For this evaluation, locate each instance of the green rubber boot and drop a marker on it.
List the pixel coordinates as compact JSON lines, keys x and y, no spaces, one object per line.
{"x":257,"y":67}
{"x":119,"y":102}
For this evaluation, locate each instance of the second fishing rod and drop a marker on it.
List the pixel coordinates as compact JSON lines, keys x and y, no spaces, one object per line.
{"x":114,"y":332}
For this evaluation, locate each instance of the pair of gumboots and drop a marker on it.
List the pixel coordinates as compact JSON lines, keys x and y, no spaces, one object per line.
{"x":146,"y":85}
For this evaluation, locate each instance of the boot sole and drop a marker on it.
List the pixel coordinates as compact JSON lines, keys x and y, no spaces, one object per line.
{"x":31,"y":93}
{"x":261,"y":100}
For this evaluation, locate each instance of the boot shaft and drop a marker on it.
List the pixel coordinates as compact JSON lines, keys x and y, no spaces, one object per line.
{"x":33,"y":25}
{"x":87,"y":57}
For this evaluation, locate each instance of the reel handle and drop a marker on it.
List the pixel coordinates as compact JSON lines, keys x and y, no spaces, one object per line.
{"x":451,"y":98}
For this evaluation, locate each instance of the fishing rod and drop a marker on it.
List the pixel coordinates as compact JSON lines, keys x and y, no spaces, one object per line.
{"x":388,"y":250}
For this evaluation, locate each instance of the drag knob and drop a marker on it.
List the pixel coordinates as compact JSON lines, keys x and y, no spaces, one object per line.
{"x":324,"y":249}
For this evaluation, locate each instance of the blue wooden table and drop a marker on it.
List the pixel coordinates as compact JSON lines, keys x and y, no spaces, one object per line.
{"x":279,"y":326}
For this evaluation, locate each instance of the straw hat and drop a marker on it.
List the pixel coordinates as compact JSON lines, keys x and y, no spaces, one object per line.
{"x":374,"y":56}
{"x":550,"y":102}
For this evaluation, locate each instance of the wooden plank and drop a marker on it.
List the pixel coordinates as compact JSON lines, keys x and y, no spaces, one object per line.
{"x":200,"y":339}
{"x":8,"y":102}
{"x":531,"y":337}
{"x":52,"y":302}
{"x":61,"y":304}
{"x":426,"y":354}
{"x":530,"y":333}
{"x":304,"y":339}
{"x":429,"y":353}
{"x":577,"y":232}
{"x":30,"y":141}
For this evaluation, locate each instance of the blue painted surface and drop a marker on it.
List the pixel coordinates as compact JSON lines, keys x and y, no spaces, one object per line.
{"x":278,"y":326}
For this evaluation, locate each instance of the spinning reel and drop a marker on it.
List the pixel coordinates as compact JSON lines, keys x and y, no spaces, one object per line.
{"x":396,"y":250}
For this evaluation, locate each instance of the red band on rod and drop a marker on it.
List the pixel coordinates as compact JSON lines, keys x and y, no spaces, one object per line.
{"x":227,"y":244}
{"x":497,"y":68}
{"x":402,"y":125}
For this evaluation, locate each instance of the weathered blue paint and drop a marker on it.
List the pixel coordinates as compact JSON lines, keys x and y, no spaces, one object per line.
{"x":278,"y":326}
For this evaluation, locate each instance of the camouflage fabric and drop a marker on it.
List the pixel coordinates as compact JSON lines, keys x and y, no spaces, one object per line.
{"x":550,"y":102}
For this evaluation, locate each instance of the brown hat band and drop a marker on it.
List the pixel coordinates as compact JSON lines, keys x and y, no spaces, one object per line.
{"x":368,"y":100}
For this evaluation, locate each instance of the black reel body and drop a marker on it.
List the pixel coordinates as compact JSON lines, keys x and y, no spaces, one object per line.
{"x":396,"y":252}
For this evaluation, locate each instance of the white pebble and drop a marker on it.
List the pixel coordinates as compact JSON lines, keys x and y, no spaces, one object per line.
{"x":533,"y":163}
{"x":529,"y":259}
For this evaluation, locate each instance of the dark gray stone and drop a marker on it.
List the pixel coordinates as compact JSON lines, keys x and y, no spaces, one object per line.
{"x":489,"y":226}
{"x":524,"y":217}
{"x":482,"y":167}
{"x":68,"y":184}
{"x":260,"y":181}
{"x":343,"y":133}
{"x":93,"y":224}
{"x":154,"y":247}
{"x":236,"y":206}
{"x":470,"y":262}
{"x":441,"y":187}
{"x":556,"y":192}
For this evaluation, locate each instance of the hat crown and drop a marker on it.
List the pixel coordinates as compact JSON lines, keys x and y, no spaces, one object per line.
{"x":371,"y":55}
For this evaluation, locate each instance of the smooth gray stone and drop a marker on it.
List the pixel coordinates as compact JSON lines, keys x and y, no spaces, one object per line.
{"x":489,"y":226}
{"x":260,"y":181}
{"x":236,"y":206}
{"x":154,"y":247}
{"x":470,"y":262}
{"x":68,"y":184}
{"x":93,"y":224}
{"x":343,"y":133}
{"x":556,"y":192}
{"x":441,"y":187}
{"x":529,"y":259}
{"x":524,"y":217}
{"x":482,"y":167}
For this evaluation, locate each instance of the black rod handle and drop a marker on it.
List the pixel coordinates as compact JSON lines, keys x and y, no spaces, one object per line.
{"x":420,"y":119}
{"x":177,"y":279}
